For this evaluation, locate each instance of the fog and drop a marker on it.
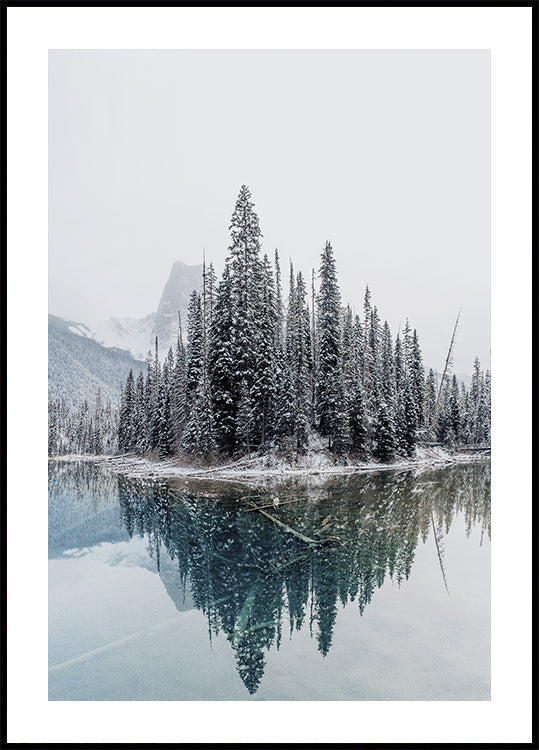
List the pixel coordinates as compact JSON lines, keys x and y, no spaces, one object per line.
{"x":385,"y":153}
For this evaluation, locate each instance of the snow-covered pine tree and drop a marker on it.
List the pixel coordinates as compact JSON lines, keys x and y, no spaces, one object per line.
{"x":140,"y":416}
{"x":356,"y":416}
{"x":54,"y":428}
{"x":221,"y":364}
{"x":179,"y":388}
{"x":354,"y":389}
{"x":359,"y":347}
{"x":110,"y":434}
{"x":373,"y":345}
{"x":487,"y":414}
{"x":245,"y":419}
{"x":166,"y":427}
{"x":442,"y":425}
{"x":454,"y":419}
{"x":279,"y":326}
{"x":348,"y":350}
{"x":300,"y":363}
{"x":384,"y":423}
{"x":99,"y":426}
{"x":247,"y":280}
{"x":285,"y":413}
{"x":195,"y":347}
{"x":416,"y":374}
{"x":384,"y":435}
{"x":329,"y":375}
{"x":408,"y":436}
{"x":152,"y":390}
{"x":431,"y":392}
{"x":263,"y":393}
{"x":367,"y":364}
{"x":291,"y":321}
{"x":386,"y":376}
{"x":479,"y":411}
{"x":482,"y":429}
{"x":211,"y":286}
{"x":313,"y":342}
{"x":199,"y":433}
{"x":127,"y":427}
{"x":148,"y":405}
{"x":400,"y":377}
{"x":350,"y":378}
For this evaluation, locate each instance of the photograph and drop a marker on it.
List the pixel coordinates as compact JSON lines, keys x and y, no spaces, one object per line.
{"x":269,"y":375}
{"x":269,"y":466}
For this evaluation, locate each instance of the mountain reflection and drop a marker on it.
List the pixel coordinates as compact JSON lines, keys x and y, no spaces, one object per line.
{"x":254,"y":578}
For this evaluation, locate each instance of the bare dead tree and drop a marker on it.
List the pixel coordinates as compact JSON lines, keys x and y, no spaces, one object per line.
{"x":448,"y":364}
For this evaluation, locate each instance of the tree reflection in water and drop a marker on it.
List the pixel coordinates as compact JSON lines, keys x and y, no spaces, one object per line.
{"x":252,"y":578}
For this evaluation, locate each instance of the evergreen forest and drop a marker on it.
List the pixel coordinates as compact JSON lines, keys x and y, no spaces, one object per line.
{"x":258,"y":371}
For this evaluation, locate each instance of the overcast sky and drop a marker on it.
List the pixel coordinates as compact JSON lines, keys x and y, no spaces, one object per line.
{"x":385,"y":153}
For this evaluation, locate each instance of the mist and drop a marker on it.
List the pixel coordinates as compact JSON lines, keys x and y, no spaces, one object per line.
{"x":385,"y":153}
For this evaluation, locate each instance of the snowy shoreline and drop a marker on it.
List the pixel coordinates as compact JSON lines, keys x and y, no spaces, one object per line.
{"x":267,"y":467}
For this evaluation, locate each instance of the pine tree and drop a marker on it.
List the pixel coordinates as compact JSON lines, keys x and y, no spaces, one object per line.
{"x":300,"y":363}
{"x":285,"y":413}
{"x":140,"y":416}
{"x":479,"y":405}
{"x":279,"y":326}
{"x":356,"y":410}
{"x":359,"y":348}
{"x":221,"y":364}
{"x":54,"y":431}
{"x":179,"y":388}
{"x":247,"y":281}
{"x":98,"y":423}
{"x":263,"y":387}
{"x":199,"y":433}
{"x":417,"y":379}
{"x":127,"y":429}
{"x":487,"y":413}
{"x":408,"y":435}
{"x":210,"y":291}
{"x":166,"y":426}
{"x":384,"y":423}
{"x":386,"y":373}
{"x":152,"y":391}
{"x":384,"y":435}
{"x":442,"y":425}
{"x":329,"y":379}
{"x":454,"y":418}
{"x":431,"y":392}
{"x":195,"y":347}
{"x":483,"y":413}
{"x":353,"y":380}
{"x":245,"y":419}
{"x":367,"y":363}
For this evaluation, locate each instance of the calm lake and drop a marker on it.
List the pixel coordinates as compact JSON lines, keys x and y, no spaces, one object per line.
{"x":371,"y":587}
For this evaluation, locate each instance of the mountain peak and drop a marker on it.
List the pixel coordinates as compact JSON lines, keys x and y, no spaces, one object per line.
{"x":183,"y":279}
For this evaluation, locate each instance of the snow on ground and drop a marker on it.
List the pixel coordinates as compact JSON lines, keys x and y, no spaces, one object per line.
{"x":316,"y":463}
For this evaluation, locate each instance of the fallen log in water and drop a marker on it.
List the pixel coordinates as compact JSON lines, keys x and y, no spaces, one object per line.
{"x":289,"y":528}
{"x":301,"y":536}
{"x":278,"y":505}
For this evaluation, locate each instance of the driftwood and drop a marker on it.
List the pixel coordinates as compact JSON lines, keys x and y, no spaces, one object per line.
{"x":272,"y":505}
{"x":289,"y":528}
{"x":301,"y":536}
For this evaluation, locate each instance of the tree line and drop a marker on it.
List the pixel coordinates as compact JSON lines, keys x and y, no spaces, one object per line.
{"x":258,"y":373}
{"x":83,"y":429}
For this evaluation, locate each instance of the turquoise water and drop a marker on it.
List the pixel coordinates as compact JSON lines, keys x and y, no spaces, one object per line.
{"x":371,"y":587}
